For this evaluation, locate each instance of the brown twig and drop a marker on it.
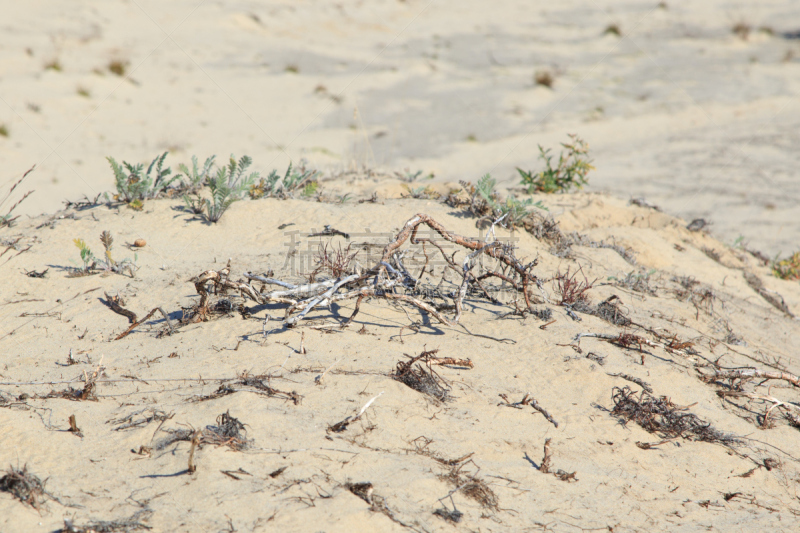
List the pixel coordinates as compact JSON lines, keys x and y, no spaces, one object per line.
{"x":115,"y":303}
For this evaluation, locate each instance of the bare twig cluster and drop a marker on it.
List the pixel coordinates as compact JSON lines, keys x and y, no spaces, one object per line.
{"x":24,"y":486}
{"x":389,"y":279}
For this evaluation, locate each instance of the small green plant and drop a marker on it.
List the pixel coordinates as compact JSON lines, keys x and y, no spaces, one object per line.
{"x":134,"y":185}
{"x":293,"y":179}
{"x":788,"y":268}
{"x":310,"y":189}
{"x":228,"y":186}
{"x":4,"y":130}
{"x":7,"y":219}
{"x":83,"y":91}
{"x":106,"y":263}
{"x":573,"y":166}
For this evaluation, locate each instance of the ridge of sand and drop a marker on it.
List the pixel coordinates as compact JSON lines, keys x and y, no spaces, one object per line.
{"x":295,"y":475}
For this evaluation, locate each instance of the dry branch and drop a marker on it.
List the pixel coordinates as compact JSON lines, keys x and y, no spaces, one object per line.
{"x":749,"y":373}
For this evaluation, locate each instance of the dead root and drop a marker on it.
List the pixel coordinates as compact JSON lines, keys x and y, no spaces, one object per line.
{"x":246,"y":383}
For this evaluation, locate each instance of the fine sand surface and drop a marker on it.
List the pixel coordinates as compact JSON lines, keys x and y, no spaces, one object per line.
{"x":677,"y":108}
{"x":295,"y":472}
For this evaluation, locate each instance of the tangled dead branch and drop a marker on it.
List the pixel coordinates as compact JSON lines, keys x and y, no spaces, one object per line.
{"x":388,"y":279}
{"x":661,"y":416}
{"x":425,"y":379}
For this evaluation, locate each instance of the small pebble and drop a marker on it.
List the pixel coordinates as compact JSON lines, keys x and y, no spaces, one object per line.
{"x":139,"y":243}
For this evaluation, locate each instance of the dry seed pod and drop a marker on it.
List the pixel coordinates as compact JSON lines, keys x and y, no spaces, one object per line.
{"x":139,"y":243}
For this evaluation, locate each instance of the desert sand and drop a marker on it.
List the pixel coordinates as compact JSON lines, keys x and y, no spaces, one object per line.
{"x":222,"y":418}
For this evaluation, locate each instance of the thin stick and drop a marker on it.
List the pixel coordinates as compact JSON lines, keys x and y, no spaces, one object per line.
{"x":318,"y":379}
{"x":195,"y":441}
{"x":544,"y":468}
{"x":541,"y":409}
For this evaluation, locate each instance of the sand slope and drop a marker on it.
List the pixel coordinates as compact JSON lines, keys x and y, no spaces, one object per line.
{"x":405,"y":439}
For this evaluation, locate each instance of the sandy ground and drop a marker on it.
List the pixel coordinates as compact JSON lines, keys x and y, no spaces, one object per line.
{"x":677,"y":108}
{"x":413,"y":449}
{"x":701,"y":122}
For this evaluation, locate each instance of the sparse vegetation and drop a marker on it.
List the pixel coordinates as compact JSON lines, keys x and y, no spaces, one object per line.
{"x":544,"y":78}
{"x":83,"y":91}
{"x":788,"y":268}
{"x":105,"y":264}
{"x":483,"y":201}
{"x":4,"y":130}
{"x":613,"y":29}
{"x":570,"y":172}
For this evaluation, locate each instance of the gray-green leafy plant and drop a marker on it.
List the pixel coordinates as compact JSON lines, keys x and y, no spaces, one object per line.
{"x":570,"y":172}
{"x":134,"y":185}
{"x":196,"y":176}
{"x":228,"y":186}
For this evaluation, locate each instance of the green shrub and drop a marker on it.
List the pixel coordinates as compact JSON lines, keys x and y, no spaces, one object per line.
{"x":573,"y":165}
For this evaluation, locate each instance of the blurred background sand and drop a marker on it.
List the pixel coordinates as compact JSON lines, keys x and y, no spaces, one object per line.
{"x":676,"y":106}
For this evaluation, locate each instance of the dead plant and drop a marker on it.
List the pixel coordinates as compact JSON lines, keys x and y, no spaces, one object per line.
{"x":25,"y":487}
{"x":572,"y":290}
{"x":664,"y":418}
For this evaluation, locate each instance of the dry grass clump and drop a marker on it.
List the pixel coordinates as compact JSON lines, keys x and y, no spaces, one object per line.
{"x":471,"y":486}
{"x":25,"y":487}
{"x":425,"y":379}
